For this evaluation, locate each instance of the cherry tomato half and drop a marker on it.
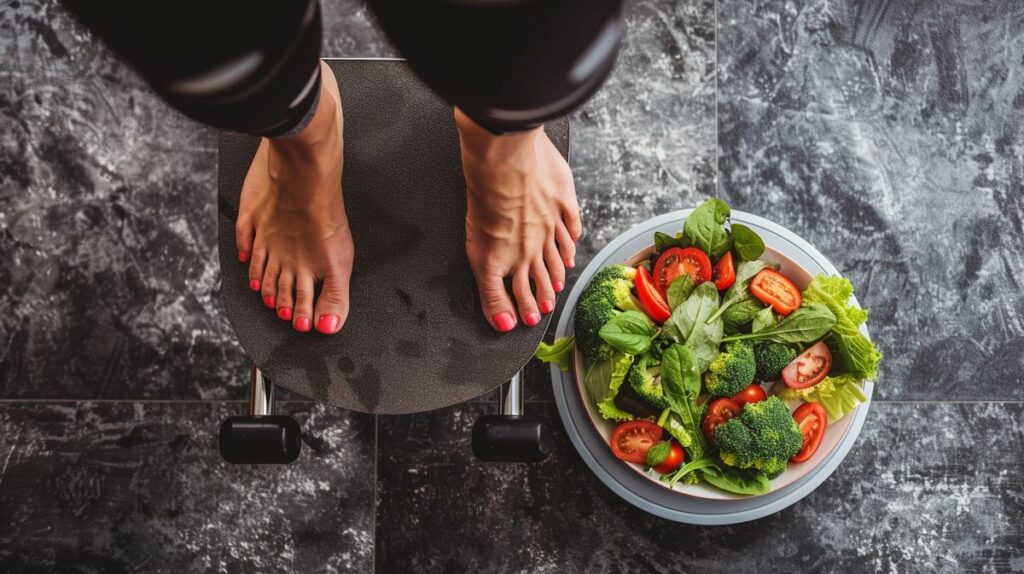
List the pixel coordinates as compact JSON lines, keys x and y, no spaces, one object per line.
{"x":676,"y":262}
{"x":674,"y":460}
{"x":632,"y":439}
{"x":651,"y":301}
{"x":719,"y":411}
{"x":813,"y":422}
{"x":809,"y":368}
{"x":752,"y":394}
{"x":775,"y":289}
{"x":724,"y":273}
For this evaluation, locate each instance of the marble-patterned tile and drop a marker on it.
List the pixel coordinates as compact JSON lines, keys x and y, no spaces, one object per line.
{"x":109,"y":221}
{"x":645,"y":143}
{"x":891,"y":136}
{"x":928,"y":487}
{"x":105,"y":487}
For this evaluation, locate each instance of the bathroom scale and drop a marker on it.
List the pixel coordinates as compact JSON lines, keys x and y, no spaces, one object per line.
{"x":415,"y":338}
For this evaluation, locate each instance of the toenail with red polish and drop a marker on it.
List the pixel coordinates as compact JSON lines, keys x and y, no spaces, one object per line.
{"x":327,"y":323}
{"x":269,"y":301}
{"x":284,"y":313}
{"x":570,"y":263}
{"x":558,"y":286}
{"x":302,"y":324}
{"x":254,"y":284}
{"x":532,"y":319}
{"x":243,"y":256}
{"x":504,"y":321}
{"x":546,"y":306}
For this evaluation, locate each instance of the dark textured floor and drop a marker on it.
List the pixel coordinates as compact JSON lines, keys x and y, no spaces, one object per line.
{"x":889,"y":134}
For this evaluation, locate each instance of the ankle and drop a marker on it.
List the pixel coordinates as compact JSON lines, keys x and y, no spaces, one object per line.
{"x":485,"y":146}
{"x":321,"y":134}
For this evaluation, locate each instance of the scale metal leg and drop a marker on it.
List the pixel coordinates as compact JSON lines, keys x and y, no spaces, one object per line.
{"x":511,"y":436}
{"x":261,"y":437}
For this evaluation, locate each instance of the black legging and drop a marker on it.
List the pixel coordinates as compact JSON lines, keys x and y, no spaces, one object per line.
{"x":254,"y":67}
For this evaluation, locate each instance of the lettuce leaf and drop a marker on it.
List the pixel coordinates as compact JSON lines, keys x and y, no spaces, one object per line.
{"x":559,"y":352}
{"x":839,"y":395}
{"x":603,"y":381}
{"x":852,"y":351}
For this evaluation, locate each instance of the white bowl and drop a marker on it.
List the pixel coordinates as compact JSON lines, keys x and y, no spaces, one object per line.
{"x":833,"y":432}
{"x":696,"y":505}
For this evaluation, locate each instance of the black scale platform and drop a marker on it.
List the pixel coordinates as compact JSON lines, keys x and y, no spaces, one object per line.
{"x":415,"y":339}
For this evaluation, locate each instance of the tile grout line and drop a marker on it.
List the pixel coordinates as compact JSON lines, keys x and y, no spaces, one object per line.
{"x":469,"y":402}
{"x":376,"y":461}
{"x":718,"y":177}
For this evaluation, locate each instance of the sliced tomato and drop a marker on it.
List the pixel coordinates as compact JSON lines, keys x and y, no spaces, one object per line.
{"x":809,"y":368}
{"x":752,"y":394}
{"x":674,"y":460}
{"x":632,"y":439}
{"x":676,"y":262}
{"x":775,"y":289}
{"x":812,"y":420}
{"x":724,"y":273}
{"x":719,"y":411}
{"x":652,"y":302}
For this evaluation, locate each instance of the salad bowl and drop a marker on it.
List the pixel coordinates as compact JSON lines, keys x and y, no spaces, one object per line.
{"x":697,"y":504}
{"x":833,"y":433}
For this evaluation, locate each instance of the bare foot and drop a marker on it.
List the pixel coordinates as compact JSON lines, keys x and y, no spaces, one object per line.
{"x":522,"y":220}
{"x":292,"y":228}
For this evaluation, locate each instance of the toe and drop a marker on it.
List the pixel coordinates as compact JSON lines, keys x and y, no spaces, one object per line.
{"x":332,"y":306}
{"x":285,"y":295}
{"x":257,"y":266}
{"x":244,"y":233}
{"x":524,"y":297}
{"x":566,"y":246}
{"x":555,"y":267}
{"x":268,"y":284}
{"x":254,"y":184}
{"x":494,"y":299}
{"x":302,"y":317}
{"x":571,"y":219}
{"x":544,"y":293}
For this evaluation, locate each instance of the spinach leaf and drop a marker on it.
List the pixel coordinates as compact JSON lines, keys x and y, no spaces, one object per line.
{"x":679,"y":290}
{"x":741,"y":313}
{"x":680,"y":380}
{"x":659,"y":453}
{"x":688,"y":468}
{"x":664,"y":241}
{"x":630,"y":332}
{"x":735,"y":481}
{"x":705,"y":227}
{"x":689,"y":324}
{"x":746,"y":242}
{"x":738,"y":291}
{"x":698,"y":308}
{"x":809,"y":323}
{"x":764,"y":319}
{"x":559,"y":352}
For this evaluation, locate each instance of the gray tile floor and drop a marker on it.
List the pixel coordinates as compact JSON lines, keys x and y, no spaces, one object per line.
{"x":889,"y":134}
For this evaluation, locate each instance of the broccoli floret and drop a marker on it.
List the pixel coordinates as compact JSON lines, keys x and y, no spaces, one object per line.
{"x":764,"y":437}
{"x":771,"y":358}
{"x":604,"y":297}
{"x":732,"y":370}
{"x":645,"y":378}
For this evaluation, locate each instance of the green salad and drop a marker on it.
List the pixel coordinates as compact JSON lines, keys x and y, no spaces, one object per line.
{"x":697,"y":353}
